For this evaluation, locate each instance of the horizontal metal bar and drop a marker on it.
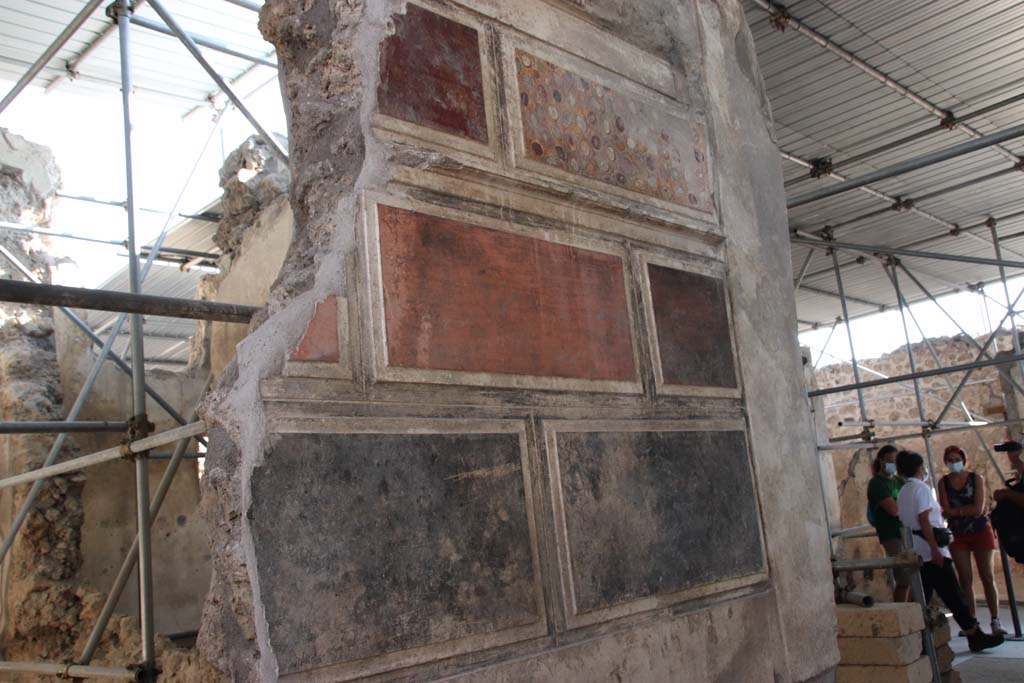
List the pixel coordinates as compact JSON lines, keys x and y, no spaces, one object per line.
{"x":71,"y":671}
{"x":905,"y":559}
{"x":55,"y":427}
{"x":846,"y":446}
{"x":247,"y":4}
{"x":840,"y":533}
{"x":123,"y":302}
{"x":918,"y":375}
{"x":99,"y":457}
{"x":106,"y":202}
{"x":799,"y":238}
{"x":143,"y":251}
{"x":909,"y":165}
{"x":205,"y":42}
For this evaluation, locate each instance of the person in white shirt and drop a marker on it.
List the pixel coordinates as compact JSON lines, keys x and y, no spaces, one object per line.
{"x":919,"y":511}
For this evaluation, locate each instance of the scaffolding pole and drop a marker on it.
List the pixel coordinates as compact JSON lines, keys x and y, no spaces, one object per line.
{"x":849,"y":336}
{"x":799,"y":237}
{"x":72,"y":671}
{"x":139,"y":418}
{"x":920,"y":374}
{"x":128,"y":565}
{"x":55,"y":427}
{"x":913,"y":368}
{"x":14,"y":291}
{"x":909,"y":165}
{"x":221,"y":83}
{"x":205,"y":42}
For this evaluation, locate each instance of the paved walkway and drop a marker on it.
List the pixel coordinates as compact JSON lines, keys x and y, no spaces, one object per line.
{"x":1004,"y":664}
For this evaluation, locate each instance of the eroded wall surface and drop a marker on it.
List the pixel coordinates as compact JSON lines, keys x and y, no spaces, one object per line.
{"x":526,"y":403}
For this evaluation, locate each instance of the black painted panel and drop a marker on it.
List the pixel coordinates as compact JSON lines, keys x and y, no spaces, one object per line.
{"x":651,"y":513}
{"x":374,"y":543}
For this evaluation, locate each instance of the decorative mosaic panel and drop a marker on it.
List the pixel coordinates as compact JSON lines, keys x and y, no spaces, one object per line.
{"x":430,"y":74}
{"x":692,"y":321}
{"x":652,"y":513}
{"x":587,"y":129}
{"x":465,"y":298}
{"x":405,"y":540}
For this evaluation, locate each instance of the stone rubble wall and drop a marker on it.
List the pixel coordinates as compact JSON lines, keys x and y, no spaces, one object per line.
{"x":983,"y":396}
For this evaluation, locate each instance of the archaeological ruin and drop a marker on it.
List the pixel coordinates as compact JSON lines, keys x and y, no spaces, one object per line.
{"x":480,"y":360}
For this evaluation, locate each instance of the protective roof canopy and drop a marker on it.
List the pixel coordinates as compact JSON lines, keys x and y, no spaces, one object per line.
{"x":958,"y":55}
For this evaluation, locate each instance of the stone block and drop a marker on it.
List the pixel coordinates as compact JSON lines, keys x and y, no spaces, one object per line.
{"x":941,"y":633}
{"x":884,"y":620}
{"x":895,"y":651}
{"x":638,"y":523}
{"x":951,"y":677}
{"x":460,"y":297}
{"x":918,"y":672}
{"x":945,"y":657}
{"x":430,"y":74}
{"x":692,"y":325}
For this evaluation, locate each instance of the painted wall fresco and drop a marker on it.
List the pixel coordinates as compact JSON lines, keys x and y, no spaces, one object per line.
{"x":430,"y":74}
{"x":320,"y":341}
{"x":331,"y":511}
{"x":462,"y":297}
{"x":692,"y":320}
{"x":650,"y":513}
{"x":584,"y":128}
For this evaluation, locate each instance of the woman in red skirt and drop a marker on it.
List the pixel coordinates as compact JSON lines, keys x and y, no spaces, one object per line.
{"x":963,"y":497}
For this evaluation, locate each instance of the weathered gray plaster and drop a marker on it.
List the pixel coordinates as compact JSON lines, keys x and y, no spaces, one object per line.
{"x":753,"y":210}
{"x":780,"y":628}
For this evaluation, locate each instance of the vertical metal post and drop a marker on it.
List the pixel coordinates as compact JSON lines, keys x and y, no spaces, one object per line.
{"x":925,"y":431}
{"x":917,"y":591}
{"x":849,"y":334}
{"x":1006,"y":290}
{"x":138,"y":360}
{"x":1007,"y":575}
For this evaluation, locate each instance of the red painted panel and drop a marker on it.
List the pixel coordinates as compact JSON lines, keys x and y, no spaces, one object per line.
{"x":694,"y":339}
{"x":320,"y":342}
{"x":430,"y":74}
{"x":462,"y":297}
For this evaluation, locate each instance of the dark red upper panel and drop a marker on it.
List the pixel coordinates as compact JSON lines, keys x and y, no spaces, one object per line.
{"x":430,"y":74}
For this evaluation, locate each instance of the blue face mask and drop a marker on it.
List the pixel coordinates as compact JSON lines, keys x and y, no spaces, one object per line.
{"x":956,"y":467}
{"x":890,"y":468}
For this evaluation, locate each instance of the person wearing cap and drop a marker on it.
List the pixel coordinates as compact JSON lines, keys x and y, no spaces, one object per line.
{"x":883,"y":514}
{"x":919,"y":512}
{"x":1013,"y":452}
{"x":962,"y":496}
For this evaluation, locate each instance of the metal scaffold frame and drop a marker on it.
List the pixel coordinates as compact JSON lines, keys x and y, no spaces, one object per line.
{"x":137,"y":428}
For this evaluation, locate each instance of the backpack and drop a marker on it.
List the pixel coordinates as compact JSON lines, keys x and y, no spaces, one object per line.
{"x":1008,"y":521}
{"x":871,"y":515}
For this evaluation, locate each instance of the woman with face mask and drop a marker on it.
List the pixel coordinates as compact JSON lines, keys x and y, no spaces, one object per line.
{"x":963,"y":497}
{"x":883,"y":515}
{"x":920,"y":513}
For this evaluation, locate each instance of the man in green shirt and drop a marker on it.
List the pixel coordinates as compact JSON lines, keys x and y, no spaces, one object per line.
{"x":884,"y":516}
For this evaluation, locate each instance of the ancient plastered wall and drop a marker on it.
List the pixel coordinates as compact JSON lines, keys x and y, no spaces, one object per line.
{"x":526,"y":402}
{"x":984,"y":396}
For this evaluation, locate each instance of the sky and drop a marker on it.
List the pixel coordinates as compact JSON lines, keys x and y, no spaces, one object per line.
{"x":85,"y":134}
